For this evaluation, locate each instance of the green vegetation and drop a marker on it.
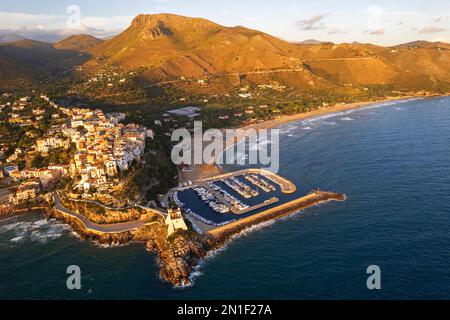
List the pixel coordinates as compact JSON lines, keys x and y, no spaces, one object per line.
{"x":54,"y":157}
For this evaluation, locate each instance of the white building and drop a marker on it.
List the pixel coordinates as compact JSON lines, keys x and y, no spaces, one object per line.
{"x":175,"y":221}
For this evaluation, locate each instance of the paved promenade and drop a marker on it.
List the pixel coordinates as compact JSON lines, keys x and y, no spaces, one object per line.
{"x":101,"y":228}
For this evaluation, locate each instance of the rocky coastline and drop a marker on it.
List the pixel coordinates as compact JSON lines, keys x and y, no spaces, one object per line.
{"x":180,"y":255}
{"x":177,"y":256}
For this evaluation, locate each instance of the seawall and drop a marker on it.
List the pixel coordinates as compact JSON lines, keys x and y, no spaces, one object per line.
{"x":90,"y":234}
{"x":221,"y":234}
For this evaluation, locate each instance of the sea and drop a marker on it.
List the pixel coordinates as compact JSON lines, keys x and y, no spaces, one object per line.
{"x":392,"y":160}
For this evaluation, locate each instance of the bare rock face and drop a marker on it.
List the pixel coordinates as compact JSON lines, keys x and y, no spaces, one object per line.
{"x":179,"y":258}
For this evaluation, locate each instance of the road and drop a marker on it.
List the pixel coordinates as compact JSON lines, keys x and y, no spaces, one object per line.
{"x":4,"y":194}
{"x":104,"y":228}
{"x":262,"y":72}
{"x":226,"y":74}
{"x":341,"y":59}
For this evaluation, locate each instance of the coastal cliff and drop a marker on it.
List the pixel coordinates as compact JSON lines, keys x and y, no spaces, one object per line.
{"x":180,"y":254}
{"x":99,"y":237}
{"x":177,"y":256}
{"x":100,"y":214}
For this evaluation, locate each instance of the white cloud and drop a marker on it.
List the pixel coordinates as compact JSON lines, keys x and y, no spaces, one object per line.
{"x":376,"y":32}
{"x":113,"y":22}
{"x":46,"y":27}
{"x":337,"y":30}
{"x":313,"y":23}
{"x":431,"y":30}
{"x":14,"y":20}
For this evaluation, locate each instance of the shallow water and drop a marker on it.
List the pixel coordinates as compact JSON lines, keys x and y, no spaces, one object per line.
{"x":391,"y":160}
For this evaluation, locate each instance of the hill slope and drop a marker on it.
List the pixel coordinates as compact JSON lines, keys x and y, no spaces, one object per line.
{"x":29,"y":60}
{"x":79,"y":43}
{"x":171,"y":46}
{"x":166,"y":47}
{"x":181,"y":46}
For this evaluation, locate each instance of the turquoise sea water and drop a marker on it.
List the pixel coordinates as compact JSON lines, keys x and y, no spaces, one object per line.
{"x":391,"y":160}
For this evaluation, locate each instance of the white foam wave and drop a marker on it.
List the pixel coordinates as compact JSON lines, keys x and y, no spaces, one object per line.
{"x":17,"y":239}
{"x":8,"y":227}
{"x":347,"y":119}
{"x":319,"y":119}
{"x":43,"y":237}
{"x":41,"y":231}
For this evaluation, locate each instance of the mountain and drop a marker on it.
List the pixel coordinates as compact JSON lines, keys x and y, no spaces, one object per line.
{"x":425,"y":44}
{"x":171,"y":46}
{"x":79,"y":43}
{"x":10,"y":36}
{"x":29,"y":60}
{"x":174,"y":46}
{"x":167,"y":47}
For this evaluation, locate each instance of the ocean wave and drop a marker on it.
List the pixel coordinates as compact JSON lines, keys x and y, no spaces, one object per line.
{"x":43,"y":237}
{"x":329,"y":123}
{"x":41,"y":231}
{"x":17,"y":239}
{"x":320,"y":118}
{"x":40,"y":223}
{"x":347,"y":119}
{"x":8,"y":227}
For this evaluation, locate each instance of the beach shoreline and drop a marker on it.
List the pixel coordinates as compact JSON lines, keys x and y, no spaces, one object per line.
{"x":203,"y":171}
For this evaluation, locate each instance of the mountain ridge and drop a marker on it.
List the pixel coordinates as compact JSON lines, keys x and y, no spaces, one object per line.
{"x":165,"y":47}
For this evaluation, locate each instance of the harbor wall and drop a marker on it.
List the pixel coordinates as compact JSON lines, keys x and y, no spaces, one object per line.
{"x":223,"y":233}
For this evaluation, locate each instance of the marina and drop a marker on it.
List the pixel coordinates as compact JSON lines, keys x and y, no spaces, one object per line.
{"x":230,"y":197}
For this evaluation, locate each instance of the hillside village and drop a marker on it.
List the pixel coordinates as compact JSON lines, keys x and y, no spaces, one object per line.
{"x":88,"y":150}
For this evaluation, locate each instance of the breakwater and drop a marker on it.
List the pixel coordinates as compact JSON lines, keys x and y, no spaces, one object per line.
{"x":221,"y":234}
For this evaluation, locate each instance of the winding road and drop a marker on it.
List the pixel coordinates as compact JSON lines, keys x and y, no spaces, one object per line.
{"x":103,"y":228}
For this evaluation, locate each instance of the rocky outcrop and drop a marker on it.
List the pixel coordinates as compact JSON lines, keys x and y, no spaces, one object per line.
{"x":178,"y":258}
{"x":180,"y":254}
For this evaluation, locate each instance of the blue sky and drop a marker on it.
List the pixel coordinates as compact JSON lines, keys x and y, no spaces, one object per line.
{"x":381,"y":22}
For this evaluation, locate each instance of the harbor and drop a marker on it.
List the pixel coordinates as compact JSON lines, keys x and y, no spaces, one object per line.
{"x":231,"y":199}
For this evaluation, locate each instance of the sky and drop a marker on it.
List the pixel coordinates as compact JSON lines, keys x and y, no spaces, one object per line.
{"x":380,"y":22}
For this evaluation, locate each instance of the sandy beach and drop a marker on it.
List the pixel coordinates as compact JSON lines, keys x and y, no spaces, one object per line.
{"x":326,"y":110}
{"x":205,"y":170}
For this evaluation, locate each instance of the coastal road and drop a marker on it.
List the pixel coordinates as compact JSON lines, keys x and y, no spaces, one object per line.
{"x":262,"y":72}
{"x":342,"y":59}
{"x":103,"y":228}
{"x":4,"y":194}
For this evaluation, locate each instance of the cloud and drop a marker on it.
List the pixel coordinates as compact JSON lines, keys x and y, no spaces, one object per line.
{"x":337,"y":30}
{"x":313,"y":23}
{"x":440,"y":19}
{"x":106,"y":22}
{"x":50,"y":28}
{"x":431,"y":30}
{"x":15,"y":20}
{"x":376,"y":32}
